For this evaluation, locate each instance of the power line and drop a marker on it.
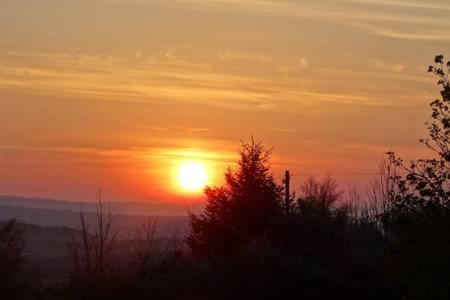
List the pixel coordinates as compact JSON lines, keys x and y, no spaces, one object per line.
{"x":335,"y":174}
{"x":282,"y":177}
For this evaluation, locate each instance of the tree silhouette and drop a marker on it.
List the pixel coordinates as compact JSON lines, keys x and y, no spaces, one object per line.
{"x":428,"y":180}
{"x":243,"y":207}
{"x":11,"y":257}
{"x":419,"y":219}
{"x":91,"y":252}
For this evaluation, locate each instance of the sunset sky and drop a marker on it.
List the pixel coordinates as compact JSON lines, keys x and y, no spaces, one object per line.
{"x":118,"y":93}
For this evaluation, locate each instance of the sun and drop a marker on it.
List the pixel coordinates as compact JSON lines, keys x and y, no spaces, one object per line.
{"x":192,"y":176}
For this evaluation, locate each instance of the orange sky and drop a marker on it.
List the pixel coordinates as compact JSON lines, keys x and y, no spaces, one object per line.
{"x":115,"y":93}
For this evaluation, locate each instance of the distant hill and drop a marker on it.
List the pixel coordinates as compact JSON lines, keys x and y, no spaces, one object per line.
{"x":167,"y":225}
{"x":129,"y":208}
{"x":49,"y":224}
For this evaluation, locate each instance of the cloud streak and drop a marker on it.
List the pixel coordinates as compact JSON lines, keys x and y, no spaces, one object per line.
{"x":358,"y":13}
{"x":164,"y":77}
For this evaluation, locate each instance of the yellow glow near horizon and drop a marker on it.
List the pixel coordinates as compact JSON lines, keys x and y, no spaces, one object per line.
{"x":192,"y":176}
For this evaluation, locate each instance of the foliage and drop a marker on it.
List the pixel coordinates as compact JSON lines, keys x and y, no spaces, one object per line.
{"x":418,"y":222}
{"x":244,"y":207}
{"x":427,"y":182}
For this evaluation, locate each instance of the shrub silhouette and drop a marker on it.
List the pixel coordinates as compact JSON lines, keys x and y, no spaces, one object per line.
{"x":345,"y":248}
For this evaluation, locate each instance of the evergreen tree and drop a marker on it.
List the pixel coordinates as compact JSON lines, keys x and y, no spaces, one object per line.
{"x":240,"y":209}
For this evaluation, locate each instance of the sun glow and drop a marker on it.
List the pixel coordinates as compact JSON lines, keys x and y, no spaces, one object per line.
{"x":192,"y":176}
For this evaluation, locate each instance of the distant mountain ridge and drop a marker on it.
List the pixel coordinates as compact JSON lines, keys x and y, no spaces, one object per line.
{"x":125,"y":225}
{"x":128,"y":208}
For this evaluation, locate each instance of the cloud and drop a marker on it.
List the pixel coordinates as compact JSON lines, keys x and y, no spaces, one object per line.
{"x":436,"y":34}
{"x":391,"y":16}
{"x":435,"y":5}
{"x":382,"y":22}
{"x":284,"y":130}
{"x":390,"y":67}
{"x":303,"y":62}
{"x":160,"y":77}
{"x":198,"y":129}
{"x":228,"y":55}
{"x":326,"y":9}
{"x":165,"y":76}
{"x":70,"y":155}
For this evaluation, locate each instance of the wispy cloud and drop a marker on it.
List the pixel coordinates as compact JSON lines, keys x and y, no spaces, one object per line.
{"x":158,"y":77}
{"x":228,"y":55}
{"x":434,"y":5}
{"x":165,"y":77}
{"x":283,"y":130}
{"x":433,"y":34}
{"x":382,"y":22}
{"x":390,"y":67}
{"x":359,"y":13}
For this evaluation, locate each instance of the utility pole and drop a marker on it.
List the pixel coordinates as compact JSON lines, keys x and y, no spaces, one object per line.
{"x":287,"y":194}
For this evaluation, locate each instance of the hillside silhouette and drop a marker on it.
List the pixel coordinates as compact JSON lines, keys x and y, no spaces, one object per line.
{"x":150,"y":208}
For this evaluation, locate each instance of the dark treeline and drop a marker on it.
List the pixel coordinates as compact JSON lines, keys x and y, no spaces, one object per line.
{"x":391,"y":243}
